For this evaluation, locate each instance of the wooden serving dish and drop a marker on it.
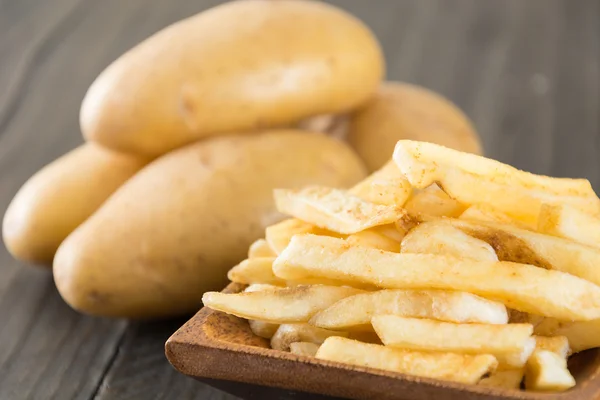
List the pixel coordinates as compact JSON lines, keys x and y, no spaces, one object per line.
{"x":220,"y":347}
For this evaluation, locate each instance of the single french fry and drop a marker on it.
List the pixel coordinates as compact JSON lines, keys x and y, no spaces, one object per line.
{"x":304,"y":348}
{"x":285,"y":305}
{"x":487,"y":213}
{"x":519,"y":286}
{"x":355,"y":312}
{"x":334,"y":209}
{"x":424,"y":162}
{"x":523,"y":246}
{"x":472,"y":179}
{"x":263,"y":329}
{"x":444,"y":366}
{"x":374,"y":239}
{"x":278,"y":236}
{"x":568,"y":222}
{"x":258,"y":287}
{"x":391,"y":192}
{"x":581,"y":335}
{"x":390,"y":231}
{"x":433,"y":201}
{"x":438,"y":237}
{"x":516,"y":359}
{"x":430,"y":335}
{"x":255,"y":270}
{"x":547,"y":371}
{"x":555,"y":344}
{"x":261,"y":248}
{"x":374,"y":187}
{"x":506,"y":379}
{"x":291,"y":333}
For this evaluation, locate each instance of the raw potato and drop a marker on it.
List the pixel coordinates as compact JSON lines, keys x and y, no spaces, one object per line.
{"x":240,"y":66}
{"x":172,"y":232}
{"x":60,"y":197}
{"x":404,"y":111}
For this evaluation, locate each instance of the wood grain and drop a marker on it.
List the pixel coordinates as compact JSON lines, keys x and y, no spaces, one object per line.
{"x":526,"y":72}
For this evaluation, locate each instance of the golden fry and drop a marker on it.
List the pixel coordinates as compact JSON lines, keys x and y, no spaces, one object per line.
{"x":519,"y":286}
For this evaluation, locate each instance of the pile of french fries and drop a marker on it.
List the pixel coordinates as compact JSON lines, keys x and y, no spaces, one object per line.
{"x":441,"y":264}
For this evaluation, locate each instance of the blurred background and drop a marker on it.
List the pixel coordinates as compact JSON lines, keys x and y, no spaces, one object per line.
{"x":526,"y":72}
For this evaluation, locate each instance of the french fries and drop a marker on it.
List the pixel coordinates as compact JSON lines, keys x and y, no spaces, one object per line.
{"x":374,"y":239}
{"x":423,"y":163}
{"x":433,"y":201}
{"x":547,"y":371}
{"x":438,"y":237}
{"x":581,"y":335}
{"x":260,"y":248}
{"x":555,"y":344}
{"x":486,"y":213}
{"x":278,"y":236}
{"x":334,"y":209}
{"x":547,"y":368}
{"x":286,"y":305}
{"x":429,"y":335}
{"x":304,"y":348}
{"x":446,"y":366}
{"x":516,"y":359}
{"x":263,"y":329}
{"x":441,"y":264}
{"x":355,"y":312}
{"x":291,"y":333}
{"x":523,"y":246}
{"x":506,"y":379}
{"x":519,"y":286}
{"x":568,"y":222}
{"x":383,"y":186}
{"x":393,"y":191}
{"x":255,"y":270}
{"x":472,"y":179}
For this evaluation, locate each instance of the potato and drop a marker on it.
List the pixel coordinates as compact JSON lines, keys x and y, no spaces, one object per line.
{"x":240,"y":66}
{"x":403,"y":111}
{"x":172,"y":232}
{"x":60,"y":197}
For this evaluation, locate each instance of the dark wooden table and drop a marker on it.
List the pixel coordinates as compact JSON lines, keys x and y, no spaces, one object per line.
{"x":527,"y":72}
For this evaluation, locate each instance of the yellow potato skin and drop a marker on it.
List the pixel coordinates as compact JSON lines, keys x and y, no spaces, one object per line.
{"x":172,"y":232}
{"x":60,"y":197}
{"x":404,"y":111}
{"x":240,"y":66}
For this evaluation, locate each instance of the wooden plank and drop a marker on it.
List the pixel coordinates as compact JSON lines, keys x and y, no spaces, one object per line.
{"x":140,"y":370}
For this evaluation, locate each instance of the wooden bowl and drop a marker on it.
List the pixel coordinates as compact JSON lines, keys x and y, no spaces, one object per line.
{"x":222,"y":347}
